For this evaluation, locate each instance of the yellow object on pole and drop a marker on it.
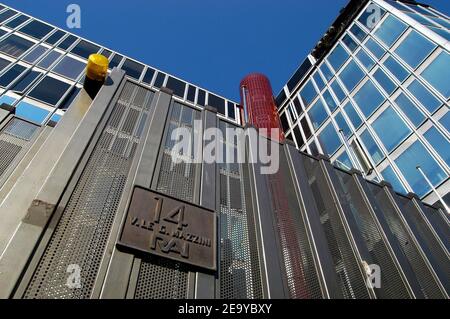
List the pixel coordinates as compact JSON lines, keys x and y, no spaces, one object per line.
{"x":97,"y":67}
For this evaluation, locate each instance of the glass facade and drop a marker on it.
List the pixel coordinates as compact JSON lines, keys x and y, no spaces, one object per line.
{"x":385,"y":85}
{"x":42,"y":71}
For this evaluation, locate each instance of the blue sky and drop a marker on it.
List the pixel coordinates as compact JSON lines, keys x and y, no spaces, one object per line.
{"x":211,"y":43}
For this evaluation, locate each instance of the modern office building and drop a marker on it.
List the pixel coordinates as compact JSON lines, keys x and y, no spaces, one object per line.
{"x":95,"y":203}
{"x":374,"y":95}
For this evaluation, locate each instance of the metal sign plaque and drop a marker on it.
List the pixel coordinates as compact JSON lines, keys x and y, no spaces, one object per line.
{"x":166,"y":227}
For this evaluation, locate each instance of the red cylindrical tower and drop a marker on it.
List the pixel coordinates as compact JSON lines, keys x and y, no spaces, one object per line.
{"x":259,"y":104}
{"x":257,"y":98}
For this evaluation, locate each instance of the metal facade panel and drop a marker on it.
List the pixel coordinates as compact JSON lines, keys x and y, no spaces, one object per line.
{"x":346,"y":262}
{"x":14,"y":136}
{"x":428,"y":241}
{"x":392,"y":282}
{"x":300,"y":265}
{"x":424,"y":274}
{"x":83,"y":230}
{"x":177,"y":180}
{"x":240,"y":273}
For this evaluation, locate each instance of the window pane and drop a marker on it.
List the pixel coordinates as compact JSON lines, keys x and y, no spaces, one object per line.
{"x":308,"y":93}
{"x":371,"y":16}
{"x":390,"y":128}
{"x":36,"y":29}
{"x":368,"y":98}
{"x":67,"y":42}
{"x":319,"y":81}
{"x":344,"y":162}
{"x":337,"y":57}
{"x":440,"y":144}
{"x":374,"y":151}
{"x":7,"y":14}
{"x":342,"y":124}
{"x":49,"y":90}
{"x":3,"y":64}
{"x":32,"y":113}
{"x":365,"y":60}
{"x":15,"y":45}
{"x":338,"y":91}
{"x":26,"y":81}
{"x":148,"y":76}
{"x":191,"y":94}
{"x":70,"y":67}
{"x":410,"y":110}
{"x":438,"y":74}
{"x":358,"y":32}
{"x":353,"y":115}
{"x":351,"y":75}
{"x":55,"y":37}
{"x":425,"y":97}
{"x":329,"y":100}
{"x":327,"y":73}
{"x":417,"y":155}
{"x":386,"y":83}
{"x":177,"y":86}
{"x":375,"y":48}
{"x":231,"y":111}
{"x":298,"y":106}
{"x":329,"y":139}
{"x":159,"y":81}
{"x":317,"y":114}
{"x":390,"y":30}
{"x":49,"y":59}
{"x":350,"y":43}
{"x":414,"y":49}
{"x":35,"y":54}
{"x":390,"y":176}
{"x":305,"y":127}
{"x":284,"y":121}
{"x":9,"y":76}
{"x":84,"y":49}
{"x":115,"y":61}
{"x":67,"y":102}
{"x":217,"y":102}
{"x":442,"y":32}
{"x":201,"y":97}
{"x":298,"y":137}
{"x":445,"y":121}
{"x":420,"y":19}
{"x":17,"y":21}
{"x":396,"y":69}
{"x":132,"y":69}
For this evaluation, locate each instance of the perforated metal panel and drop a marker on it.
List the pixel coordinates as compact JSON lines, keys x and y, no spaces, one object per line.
{"x":392,"y":284}
{"x":240,"y":276}
{"x":350,"y":278}
{"x":161,"y":279}
{"x":299,"y":267}
{"x":82,"y":232}
{"x":438,"y":256}
{"x":177,"y":179}
{"x":13,"y":138}
{"x":424,"y":276}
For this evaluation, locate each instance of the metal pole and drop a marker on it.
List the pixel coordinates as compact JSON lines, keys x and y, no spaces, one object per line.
{"x":244,"y":95}
{"x":434,"y":190}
